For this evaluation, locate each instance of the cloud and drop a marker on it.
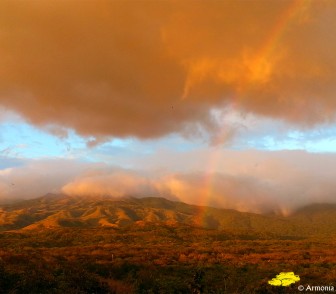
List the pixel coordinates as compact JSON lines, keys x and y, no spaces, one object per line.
{"x":255,"y":181}
{"x":219,"y":190}
{"x":147,"y":69}
{"x":35,"y":178}
{"x":8,"y":162}
{"x":113,"y":182}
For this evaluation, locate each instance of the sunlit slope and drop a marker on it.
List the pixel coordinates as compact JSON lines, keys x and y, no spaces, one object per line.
{"x":53,"y":211}
{"x":316,"y":217}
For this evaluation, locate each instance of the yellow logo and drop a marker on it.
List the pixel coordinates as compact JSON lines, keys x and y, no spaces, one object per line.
{"x":284,"y":279}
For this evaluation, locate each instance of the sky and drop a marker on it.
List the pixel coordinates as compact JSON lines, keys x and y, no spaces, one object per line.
{"x":222,"y":103}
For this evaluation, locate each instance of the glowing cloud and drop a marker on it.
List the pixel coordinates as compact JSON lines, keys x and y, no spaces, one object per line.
{"x":147,"y":69}
{"x":244,"y":180}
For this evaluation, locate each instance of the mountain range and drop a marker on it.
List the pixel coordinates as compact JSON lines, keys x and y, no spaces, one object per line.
{"x":60,"y":211}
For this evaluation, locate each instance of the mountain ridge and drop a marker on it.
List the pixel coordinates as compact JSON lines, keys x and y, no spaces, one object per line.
{"x":59,"y":210}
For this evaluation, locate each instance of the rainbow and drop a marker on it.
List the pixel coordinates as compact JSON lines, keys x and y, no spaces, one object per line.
{"x":265,"y":52}
{"x":278,"y":31}
{"x":259,"y":67}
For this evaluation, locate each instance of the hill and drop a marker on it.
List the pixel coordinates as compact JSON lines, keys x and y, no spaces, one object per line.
{"x":61,"y":244}
{"x":57,"y":211}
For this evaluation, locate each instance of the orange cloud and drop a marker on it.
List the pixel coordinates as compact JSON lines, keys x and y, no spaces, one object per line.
{"x":255,"y":181}
{"x":146,"y":68}
{"x":115,"y":183}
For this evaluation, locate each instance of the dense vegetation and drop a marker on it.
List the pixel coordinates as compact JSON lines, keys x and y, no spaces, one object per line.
{"x":161,"y":257}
